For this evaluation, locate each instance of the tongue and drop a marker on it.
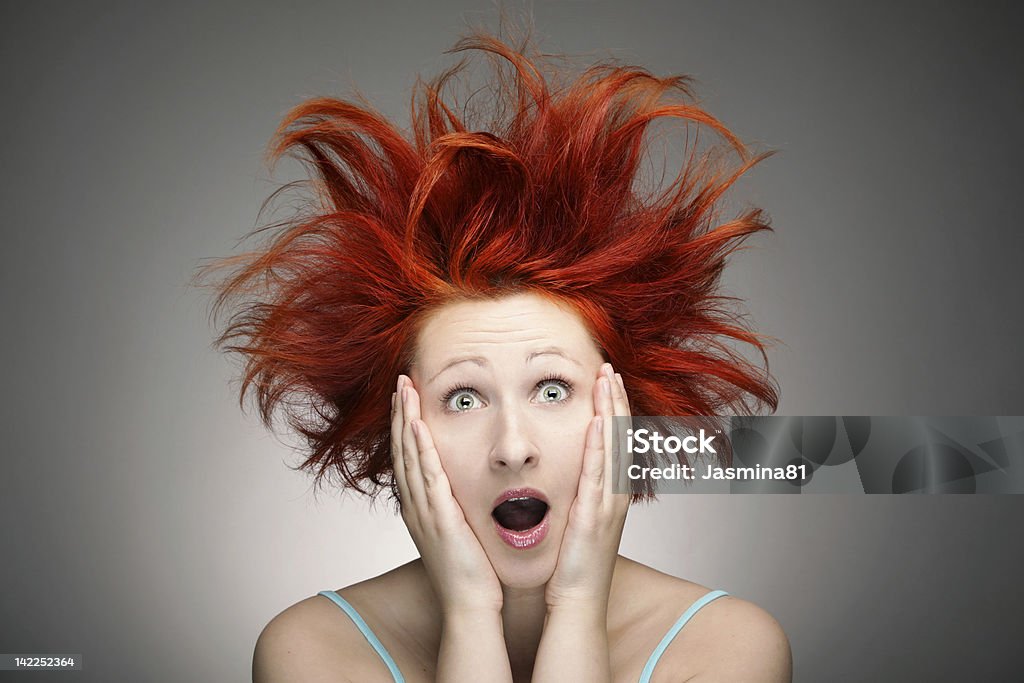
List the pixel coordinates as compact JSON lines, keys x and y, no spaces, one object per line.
{"x":520,"y":514}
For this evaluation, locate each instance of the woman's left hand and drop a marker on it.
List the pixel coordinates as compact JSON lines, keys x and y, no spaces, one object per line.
{"x":586,"y":560}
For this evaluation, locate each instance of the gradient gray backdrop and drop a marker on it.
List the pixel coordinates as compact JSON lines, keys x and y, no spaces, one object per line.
{"x":151,"y":526}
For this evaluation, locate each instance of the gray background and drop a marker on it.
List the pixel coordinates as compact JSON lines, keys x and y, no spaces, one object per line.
{"x":151,"y":526}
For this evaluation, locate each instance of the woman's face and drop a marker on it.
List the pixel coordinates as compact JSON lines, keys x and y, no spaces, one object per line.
{"x":506,"y":388}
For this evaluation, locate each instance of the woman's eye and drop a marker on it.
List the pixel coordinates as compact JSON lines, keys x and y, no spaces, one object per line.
{"x":461,"y":401}
{"x":552,"y":391}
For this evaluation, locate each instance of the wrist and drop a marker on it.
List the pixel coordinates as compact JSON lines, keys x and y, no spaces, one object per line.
{"x":580,"y":610}
{"x":470,"y":615}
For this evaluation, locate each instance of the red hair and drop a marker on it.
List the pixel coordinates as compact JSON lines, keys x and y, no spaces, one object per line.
{"x":548,"y":198}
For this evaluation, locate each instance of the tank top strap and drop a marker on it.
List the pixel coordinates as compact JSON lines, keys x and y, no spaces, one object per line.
{"x":364,"y":628}
{"x":652,"y":661}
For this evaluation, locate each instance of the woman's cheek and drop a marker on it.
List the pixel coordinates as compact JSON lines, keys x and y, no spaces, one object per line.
{"x":458,"y":450}
{"x":570,"y":442}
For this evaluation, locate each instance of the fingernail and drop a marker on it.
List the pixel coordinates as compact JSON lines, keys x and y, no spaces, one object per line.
{"x":416,"y":427}
{"x":619,"y":378}
{"x":398,"y":384}
{"x":405,"y":396}
{"x":605,"y":386}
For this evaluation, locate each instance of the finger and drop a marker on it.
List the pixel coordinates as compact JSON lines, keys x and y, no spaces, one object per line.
{"x":619,"y":396}
{"x":618,"y":457}
{"x":437,"y":486}
{"x":592,"y":474}
{"x":603,"y":397}
{"x":607,"y":411}
{"x":397,"y":459}
{"x":410,"y":456}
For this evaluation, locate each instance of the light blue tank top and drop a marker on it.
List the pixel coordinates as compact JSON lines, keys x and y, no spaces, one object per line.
{"x":645,"y":676}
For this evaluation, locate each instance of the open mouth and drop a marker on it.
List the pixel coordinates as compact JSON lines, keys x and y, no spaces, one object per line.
{"x":520,"y":514}
{"x":521,"y":518}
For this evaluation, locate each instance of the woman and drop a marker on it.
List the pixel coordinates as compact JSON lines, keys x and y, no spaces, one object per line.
{"x":507,"y":288}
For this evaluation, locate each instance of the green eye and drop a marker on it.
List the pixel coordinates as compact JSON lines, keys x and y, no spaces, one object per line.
{"x":552,"y":391}
{"x":461,"y":401}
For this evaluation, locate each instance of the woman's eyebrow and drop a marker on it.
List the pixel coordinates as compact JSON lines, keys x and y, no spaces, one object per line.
{"x":482,"y":362}
{"x":478,"y":360}
{"x":552,"y":351}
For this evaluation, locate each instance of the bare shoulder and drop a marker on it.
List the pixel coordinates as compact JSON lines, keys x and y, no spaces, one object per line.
{"x":727,"y":639}
{"x":740,"y":641}
{"x":295,"y":645}
{"x":314,"y":640}
{"x":308,"y":642}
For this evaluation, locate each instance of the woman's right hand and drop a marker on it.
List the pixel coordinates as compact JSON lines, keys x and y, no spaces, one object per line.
{"x":459,"y":570}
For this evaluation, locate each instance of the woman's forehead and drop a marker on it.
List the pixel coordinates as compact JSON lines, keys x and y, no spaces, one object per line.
{"x":522,"y":327}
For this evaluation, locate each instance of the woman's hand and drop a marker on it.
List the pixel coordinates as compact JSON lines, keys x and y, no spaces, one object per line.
{"x":459,"y":570}
{"x":586,"y":560}
{"x":574,"y":645}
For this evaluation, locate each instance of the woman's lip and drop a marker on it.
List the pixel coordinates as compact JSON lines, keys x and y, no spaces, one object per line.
{"x":520,"y":493}
{"x":523,"y":540}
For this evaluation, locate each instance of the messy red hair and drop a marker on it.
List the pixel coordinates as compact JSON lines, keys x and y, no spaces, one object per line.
{"x":548,"y":198}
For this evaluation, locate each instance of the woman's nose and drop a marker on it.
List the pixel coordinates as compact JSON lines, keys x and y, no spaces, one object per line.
{"x":513,"y":448}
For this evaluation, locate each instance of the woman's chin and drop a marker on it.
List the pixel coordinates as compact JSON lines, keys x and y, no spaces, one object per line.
{"x":520,"y":570}
{"x":525,"y":560}
{"x":523,"y":578}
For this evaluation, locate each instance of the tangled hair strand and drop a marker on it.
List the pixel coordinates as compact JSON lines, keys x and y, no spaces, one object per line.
{"x":548,"y":197}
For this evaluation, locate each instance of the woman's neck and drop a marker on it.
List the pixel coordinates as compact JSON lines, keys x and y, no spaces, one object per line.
{"x":524,"y":614}
{"x":522,"y":617}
